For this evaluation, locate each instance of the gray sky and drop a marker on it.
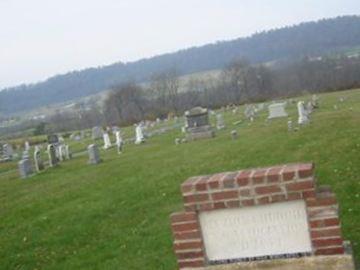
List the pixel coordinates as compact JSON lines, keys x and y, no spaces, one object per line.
{"x":41,"y":38}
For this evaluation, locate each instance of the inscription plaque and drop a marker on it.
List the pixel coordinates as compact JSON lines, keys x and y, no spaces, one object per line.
{"x":264,"y":230}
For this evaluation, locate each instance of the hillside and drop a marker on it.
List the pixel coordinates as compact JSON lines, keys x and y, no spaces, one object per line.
{"x":115,"y":215}
{"x":310,"y":39}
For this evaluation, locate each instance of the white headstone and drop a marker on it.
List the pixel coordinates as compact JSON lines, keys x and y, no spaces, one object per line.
{"x":8,"y":151}
{"x":303,"y":116}
{"x":119,"y":141}
{"x":62,"y":152}
{"x":39,"y":165}
{"x":107,"y":142}
{"x":220,"y":121}
{"x":68,"y":154}
{"x":250,"y":232}
{"x":139,"y":134}
{"x":277,"y":110}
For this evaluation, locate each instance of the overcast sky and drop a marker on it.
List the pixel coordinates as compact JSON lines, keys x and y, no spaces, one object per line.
{"x":41,"y":38}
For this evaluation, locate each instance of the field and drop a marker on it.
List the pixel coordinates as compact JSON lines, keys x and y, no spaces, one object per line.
{"x":115,"y":215}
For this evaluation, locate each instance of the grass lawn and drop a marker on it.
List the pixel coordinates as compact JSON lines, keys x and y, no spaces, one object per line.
{"x":115,"y":215}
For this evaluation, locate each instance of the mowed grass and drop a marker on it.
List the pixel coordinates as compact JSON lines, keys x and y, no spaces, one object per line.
{"x":115,"y":215}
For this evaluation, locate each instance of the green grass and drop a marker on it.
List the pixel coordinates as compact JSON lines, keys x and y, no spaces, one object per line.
{"x":115,"y":215}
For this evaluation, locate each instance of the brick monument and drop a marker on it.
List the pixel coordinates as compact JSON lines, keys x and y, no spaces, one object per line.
{"x":274,"y":214}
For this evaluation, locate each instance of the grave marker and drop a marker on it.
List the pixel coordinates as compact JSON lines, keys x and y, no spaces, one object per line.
{"x":277,"y":110}
{"x":25,"y":169}
{"x":197,"y":124}
{"x":94,"y":155}
{"x":39,"y":165}
{"x":255,"y":215}
{"x":53,"y":160}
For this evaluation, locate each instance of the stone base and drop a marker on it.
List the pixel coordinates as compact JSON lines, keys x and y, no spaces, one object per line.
{"x":198,"y":133}
{"x":336,"y":262}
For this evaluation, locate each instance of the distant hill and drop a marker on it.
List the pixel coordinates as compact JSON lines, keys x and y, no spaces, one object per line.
{"x":306,"y":39}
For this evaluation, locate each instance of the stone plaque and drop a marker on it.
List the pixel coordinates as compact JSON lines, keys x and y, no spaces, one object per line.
{"x":264,"y":230}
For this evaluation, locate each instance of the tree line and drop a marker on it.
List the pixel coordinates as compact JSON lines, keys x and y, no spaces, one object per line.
{"x":239,"y":83}
{"x":306,"y":39}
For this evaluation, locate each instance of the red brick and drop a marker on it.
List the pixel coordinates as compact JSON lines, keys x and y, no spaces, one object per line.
{"x":190,"y":207}
{"x":300,"y":186}
{"x":259,"y":176}
{"x":201,"y":184}
{"x":243,"y":178}
{"x":214,"y":181}
{"x":196,"y":198}
{"x":245,"y":193}
{"x":206,"y":206}
{"x":327,"y":242}
{"x":267,"y":189}
{"x":223,"y":195}
{"x":294,"y":196}
{"x":187,"y":186}
{"x":323,"y":233}
{"x":278,"y":198}
{"x":330,"y":251}
{"x":273,"y":174}
{"x":183,"y":227}
{"x":233,"y":204}
{"x":289,"y":173}
{"x":321,"y":202}
{"x":229,"y":180}
{"x":324,"y":223}
{"x":263,"y":200}
{"x":188,"y":245}
{"x":219,"y":205}
{"x":187,"y":235}
{"x":183,"y":217}
{"x":190,"y":254}
{"x":250,"y":202}
{"x":309,"y":194}
{"x":326,"y":211}
{"x":305,"y":170}
{"x":191,"y":263}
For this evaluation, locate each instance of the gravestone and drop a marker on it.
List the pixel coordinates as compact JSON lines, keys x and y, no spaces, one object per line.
{"x":303,"y":115}
{"x":52,"y":139}
{"x":94,"y":155}
{"x":220,"y":121}
{"x":290,"y":125}
{"x":197,"y":124}
{"x":61,"y":152}
{"x":139,"y":134}
{"x":53,"y":160}
{"x":315,"y":101}
{"x":25,"y":154}
{"x":96,"y":133}
{"x":119,"y":141}
{"x":277,"y":110}
{"x":8,"y":151}
{"x":68,"y":154}
{"x":25,"y":169}
{"x":107,"y":142}
{"x":258,"y":215}
{"x":234,"y":134}
{"x":250,"y":112}
{"x":39,"y":165}
{"x":27,"y":146}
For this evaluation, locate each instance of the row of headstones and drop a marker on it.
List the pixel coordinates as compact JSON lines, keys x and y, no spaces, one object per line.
{"x":56,"y":154}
